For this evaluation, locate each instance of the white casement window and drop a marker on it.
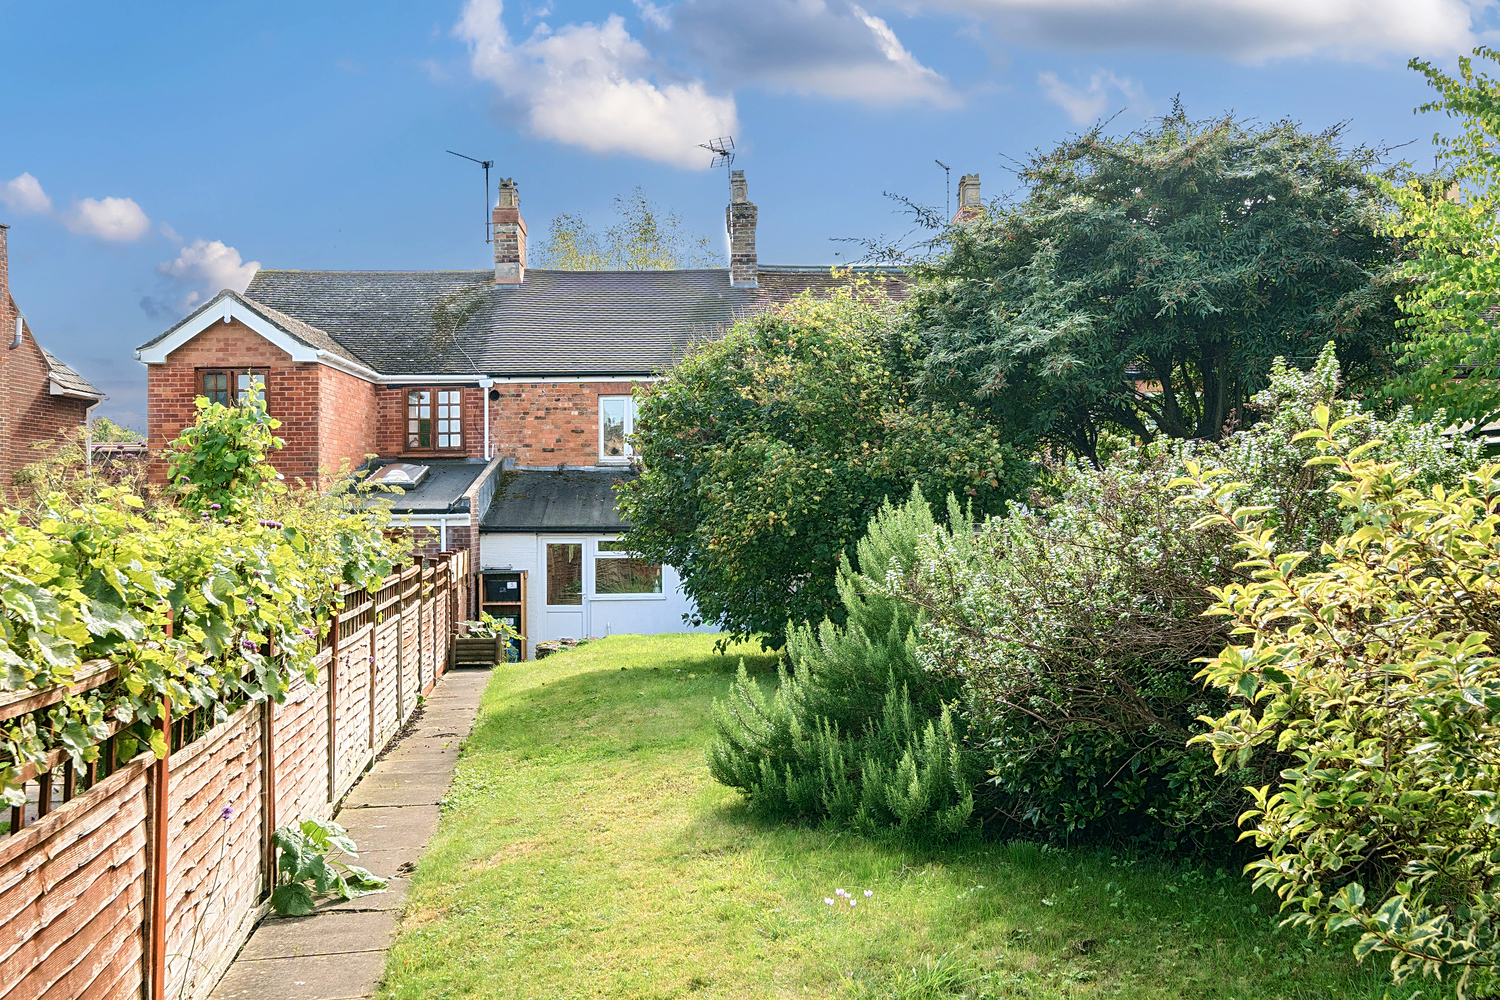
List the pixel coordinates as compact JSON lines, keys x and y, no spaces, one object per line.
{"x":434,"y":420}
{"x":618,"y":571}
{"x":616,"y":424}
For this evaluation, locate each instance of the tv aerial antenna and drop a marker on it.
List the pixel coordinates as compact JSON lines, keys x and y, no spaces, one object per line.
{"x":947,"y":185}
{"x":723,"y":150}
{"x":486,"y":164}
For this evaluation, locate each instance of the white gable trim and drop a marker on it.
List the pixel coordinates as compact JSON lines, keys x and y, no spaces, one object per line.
{"x":227,"y":307}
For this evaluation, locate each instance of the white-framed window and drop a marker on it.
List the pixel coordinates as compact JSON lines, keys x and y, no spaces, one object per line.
{"x":619,"y":572}
{"x":616,"y":424}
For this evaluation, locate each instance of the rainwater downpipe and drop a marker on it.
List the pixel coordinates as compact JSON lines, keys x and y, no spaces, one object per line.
{"x":484,"y":388}
{"x":20,"y":321}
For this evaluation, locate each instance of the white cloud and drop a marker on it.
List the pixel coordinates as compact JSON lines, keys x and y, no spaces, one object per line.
{"x":658,"y":17}
{"x":119,"y":220}
{"x":832,"y":48}
{"x":210,"y":264}
{"x":24,"y":194}
{"x":591,"y":86}
{"x":1085,"y":105}
{"x":1250,"y":30}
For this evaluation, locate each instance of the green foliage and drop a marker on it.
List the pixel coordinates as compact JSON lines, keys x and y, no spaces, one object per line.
{"x":642,"y":239}
{"x":1075,"y":624}
{"x":200,"y":610}
{"x":1372,"y":669}
{"x":220,"y":462}
{"x":1452,"y":221}
{"x":308,"y":865}
{"x":1187,"y":255}
{"x":857,"y":733}
{"x":487,"y":626}
{"x":105,"y":429}
{"x":766,"y":453}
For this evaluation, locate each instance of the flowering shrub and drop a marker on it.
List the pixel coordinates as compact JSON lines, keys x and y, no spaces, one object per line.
{"x":1372,"y":666}
{"x":201,"y":609}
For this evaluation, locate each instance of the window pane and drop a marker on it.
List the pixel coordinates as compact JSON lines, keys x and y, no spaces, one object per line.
{"x":612,"y":425}
{"x":626,"y":576}
{"x":565,"y":573}
{"x":619,"y":545}
{"x":449,"y":419}
{"x":244,"y":380}
{"x":419,"y":418}
{"x":216,"y":387}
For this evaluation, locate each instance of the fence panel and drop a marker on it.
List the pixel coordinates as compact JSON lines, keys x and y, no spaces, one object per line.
{"x":76,"y":862}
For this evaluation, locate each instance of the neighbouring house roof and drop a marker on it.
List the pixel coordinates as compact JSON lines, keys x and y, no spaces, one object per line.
{"x":65,"y":381}
{"x":555,"y":502}
{"x":441,"y":491}
{"x":555,"y":323}
{"x":301,"y":340}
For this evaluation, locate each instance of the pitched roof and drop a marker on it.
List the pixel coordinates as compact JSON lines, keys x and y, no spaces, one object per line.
{"x":68,"y":381}
{"x":554,"y":323}
{"x":300,"y":331}
{"x":565,"y":501}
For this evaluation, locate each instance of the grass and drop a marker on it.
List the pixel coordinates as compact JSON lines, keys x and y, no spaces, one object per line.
{"x":585,"y":852}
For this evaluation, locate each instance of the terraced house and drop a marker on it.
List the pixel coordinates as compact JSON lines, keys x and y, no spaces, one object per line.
{"x":501,"y":401}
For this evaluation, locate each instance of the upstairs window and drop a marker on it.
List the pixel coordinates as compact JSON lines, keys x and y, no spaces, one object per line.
{"x":216,"y":383}
{"x":434,"y":419}
{"x":616,"y":424}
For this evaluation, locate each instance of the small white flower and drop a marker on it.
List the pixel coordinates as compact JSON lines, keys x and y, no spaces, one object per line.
{"x":827,"y":900}
{"x":852,"y":903}
{"x":868,"y":894}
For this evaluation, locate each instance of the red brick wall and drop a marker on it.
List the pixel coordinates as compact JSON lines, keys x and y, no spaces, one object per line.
{"x":325,"y":414}
{"x":550,"y":423}
{"x":348,"y":416}
{"x":32,"y":414}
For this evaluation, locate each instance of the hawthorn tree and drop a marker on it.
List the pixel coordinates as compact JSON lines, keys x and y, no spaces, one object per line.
{"x":1144,"y":284}
{"x":766,"y":453}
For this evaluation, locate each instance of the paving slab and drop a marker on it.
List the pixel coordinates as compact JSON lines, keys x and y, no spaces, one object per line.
{"x":338,"y":952}
{"x":338,"y":933}
{"x":316,"y":977}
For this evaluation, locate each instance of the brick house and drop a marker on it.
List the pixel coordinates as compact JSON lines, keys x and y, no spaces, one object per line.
{"x":500,"y":400}
{"x":43,"y":398}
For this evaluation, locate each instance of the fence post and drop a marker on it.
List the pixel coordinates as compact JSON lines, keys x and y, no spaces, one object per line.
{"x":333,"y":710}
{"x":268,"y":792}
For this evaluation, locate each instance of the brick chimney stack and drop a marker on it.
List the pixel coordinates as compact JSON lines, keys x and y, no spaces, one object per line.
{"x":739,"y":218}
{"x":969,"y":203}
{"x":510,"y":236}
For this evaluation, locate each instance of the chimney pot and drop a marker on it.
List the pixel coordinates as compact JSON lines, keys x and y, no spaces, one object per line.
{"x":739,"y":219}
{"x":509,"y":235}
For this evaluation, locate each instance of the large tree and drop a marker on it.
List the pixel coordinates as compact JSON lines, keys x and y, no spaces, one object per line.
{"x":766,"y":453}
{"x":1144,"y":284}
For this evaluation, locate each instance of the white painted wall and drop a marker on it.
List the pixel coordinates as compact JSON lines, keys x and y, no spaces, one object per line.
{"x":612,"y":614}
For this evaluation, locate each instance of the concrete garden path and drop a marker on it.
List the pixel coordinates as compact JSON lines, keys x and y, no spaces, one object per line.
{"x":338,"y":952}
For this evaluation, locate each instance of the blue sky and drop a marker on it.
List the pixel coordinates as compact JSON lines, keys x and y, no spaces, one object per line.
{"x":153,"y":153}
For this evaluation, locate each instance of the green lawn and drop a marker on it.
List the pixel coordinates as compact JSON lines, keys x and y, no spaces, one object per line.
{"x":585,"y":852}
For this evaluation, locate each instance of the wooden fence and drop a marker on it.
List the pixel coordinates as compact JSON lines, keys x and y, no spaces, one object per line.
{"x":142,"y":878}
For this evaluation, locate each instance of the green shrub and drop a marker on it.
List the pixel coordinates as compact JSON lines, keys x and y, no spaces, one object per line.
{"x":857,"y":733}
{"x":206,"y":610}
{"x":219,"y":462}
{"x":1074,"y":624}
{"x":766,"y":452}
{"x":1371,"y":667}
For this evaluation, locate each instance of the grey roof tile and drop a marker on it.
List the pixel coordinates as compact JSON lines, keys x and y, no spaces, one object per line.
{"x":554,"y":323}
{"x":67,"y":377}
